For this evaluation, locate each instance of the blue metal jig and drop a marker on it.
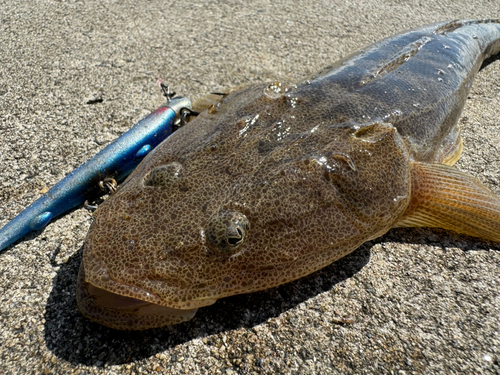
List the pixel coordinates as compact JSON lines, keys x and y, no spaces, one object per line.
{"x":114,"y":163}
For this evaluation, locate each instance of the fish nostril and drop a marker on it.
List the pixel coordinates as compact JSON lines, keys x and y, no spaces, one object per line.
{"x":163,"y":175}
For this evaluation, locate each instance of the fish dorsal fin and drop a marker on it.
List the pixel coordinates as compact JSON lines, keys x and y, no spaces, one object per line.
{"x":444,"y":197}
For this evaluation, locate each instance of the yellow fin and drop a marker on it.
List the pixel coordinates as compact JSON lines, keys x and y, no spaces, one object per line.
{"x":444,"y":197}
{"x":453,"y":154}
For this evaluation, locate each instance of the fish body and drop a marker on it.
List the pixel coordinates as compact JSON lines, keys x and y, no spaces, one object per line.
{"x":273,"y":183}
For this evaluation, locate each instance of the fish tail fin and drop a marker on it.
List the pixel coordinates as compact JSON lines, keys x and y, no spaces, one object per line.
{"x":444,"y":197}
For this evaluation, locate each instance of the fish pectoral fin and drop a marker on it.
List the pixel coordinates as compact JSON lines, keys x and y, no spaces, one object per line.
{"x":444,"y":197}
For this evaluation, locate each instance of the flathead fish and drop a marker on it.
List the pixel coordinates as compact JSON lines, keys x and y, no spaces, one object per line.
{"x":273,"y":182}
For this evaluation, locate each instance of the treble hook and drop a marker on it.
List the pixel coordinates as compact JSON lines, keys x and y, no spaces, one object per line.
{"x":165,"y":89}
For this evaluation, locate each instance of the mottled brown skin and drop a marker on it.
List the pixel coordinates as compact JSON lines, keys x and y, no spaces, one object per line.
{"x":272,"y":184}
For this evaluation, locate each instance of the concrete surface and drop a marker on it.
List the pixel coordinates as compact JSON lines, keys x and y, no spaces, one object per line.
{"x":420,"y":300}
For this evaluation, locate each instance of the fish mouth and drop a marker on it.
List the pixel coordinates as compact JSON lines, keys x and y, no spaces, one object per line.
{"x":124,"y":313}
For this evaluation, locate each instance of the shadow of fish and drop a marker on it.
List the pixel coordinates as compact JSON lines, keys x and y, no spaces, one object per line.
{"x":271,"y":183}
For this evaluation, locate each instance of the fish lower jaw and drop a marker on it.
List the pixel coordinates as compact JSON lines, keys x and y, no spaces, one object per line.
{"x":126,"y":313}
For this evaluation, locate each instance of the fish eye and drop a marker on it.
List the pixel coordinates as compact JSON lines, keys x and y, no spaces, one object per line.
{"x":227,"y":231}
{"x":163,"y":175}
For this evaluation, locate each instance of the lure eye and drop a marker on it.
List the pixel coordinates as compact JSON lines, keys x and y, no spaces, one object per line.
{"x":227,"y":231}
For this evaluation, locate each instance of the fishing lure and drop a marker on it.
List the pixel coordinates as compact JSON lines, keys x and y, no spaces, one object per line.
{"x":102,"y":172}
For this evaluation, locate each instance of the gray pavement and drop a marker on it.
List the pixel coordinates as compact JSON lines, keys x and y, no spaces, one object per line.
{"x":420,"y":301}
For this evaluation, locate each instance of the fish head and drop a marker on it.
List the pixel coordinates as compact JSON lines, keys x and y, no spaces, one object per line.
{"x":212,"y":214}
